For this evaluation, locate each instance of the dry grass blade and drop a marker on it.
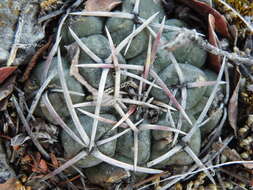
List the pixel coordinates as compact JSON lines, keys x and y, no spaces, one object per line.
{"x":109,"y":66}
{"x":136,"y":7}
{"x":59,"y":120}
{"x":163,"y":105}
{"x":107,"y":101}
{"x":66,"y":165}
{"x":98,"y":106}
{"x":146,"y":94}
{"x":127,"y":115}
{"x":183,"y":93}
{"x":102,"y":119}
{"x":54,"y":49}
{"x":203,"y":84}
{"x":189,"y":151}
{"x":143,"y":80}
{"x":147,"y":65}
{"x":217,"y":134}
{"x":145,"y":104}
{"x":38,"y":95}
{"x":84,"y":47}
{"x":129,"y":43}
{"x":160,"y":127}
{"x":170,"y":95}
{"x":105,"y":14}
{"x":120,"y":164}
{"x":128,"y":121}
{"x":166,"y":27}
{"x":27,"y":128}
{"x":116,"y":65}
{"x":50,"y":58}
{"x":136,"y":149}
{"x":132,"y":35}
{"x":226,"y":99}
{"x":69,"y":104}
{"x":70,"y":92}
{"x":195,"y":172}
{"x":74,"y":70}
{"x":157,"y":41}
{"x":104,"y":141}
{"x":14,"y":47}
{"x":165,"y":156}
{"x":207,"y":106}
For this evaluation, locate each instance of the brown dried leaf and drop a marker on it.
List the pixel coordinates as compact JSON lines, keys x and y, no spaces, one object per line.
{"x":214,"y":60}
{"x":9,"y":185}
{"x":233,"y":102}
{"x":7,"y":88}
{"x":101,"y":5}
{"x":5,"y":72}
{"x":205,"y":9}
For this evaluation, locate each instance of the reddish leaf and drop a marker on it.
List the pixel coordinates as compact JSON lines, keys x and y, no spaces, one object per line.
{"x":205,"y":9}
{"x":214,"y":60}
{"x":233,"y":102}
{"x":101,"y":5}
{"x":54,"y":160}
{"x":5,"y":72}
{"x":43,"y":166}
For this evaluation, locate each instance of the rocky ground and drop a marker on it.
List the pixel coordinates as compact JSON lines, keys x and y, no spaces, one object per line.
{"x":111,"y":94}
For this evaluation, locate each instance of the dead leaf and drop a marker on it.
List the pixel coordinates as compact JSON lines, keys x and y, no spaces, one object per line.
{"x":34,"y":59}
{"x":7,"y":88}
{"x":233,"y":102}
{"x":3,"y":104}
{"x":214,"y":60}
{"x":19,"y":139}
{"x":43,"y":166}
{"x":101,"y":5}
{"x":205,"y":9}
{"x":5,"y":72}
{"x":9,"y":185}
{"x":54,"y":160}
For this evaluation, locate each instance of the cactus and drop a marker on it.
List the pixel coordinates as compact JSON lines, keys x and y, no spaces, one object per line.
{"x":134,"y":128}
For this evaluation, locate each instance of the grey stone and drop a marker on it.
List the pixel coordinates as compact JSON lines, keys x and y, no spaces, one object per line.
{"x":83,"y":26}
{"x":146,"y":8}
{"x":120,"y":28}
{"x":162,"y":60}
{"x":125,"y":146}
{"x":6,"y":172}
{"x":162,"y":146}
{"x":190,"y":52}
{"x":57,"y":98}
{"x":99,"y":45}
{"x":191,"y":74}
{"x":71,"y":148}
